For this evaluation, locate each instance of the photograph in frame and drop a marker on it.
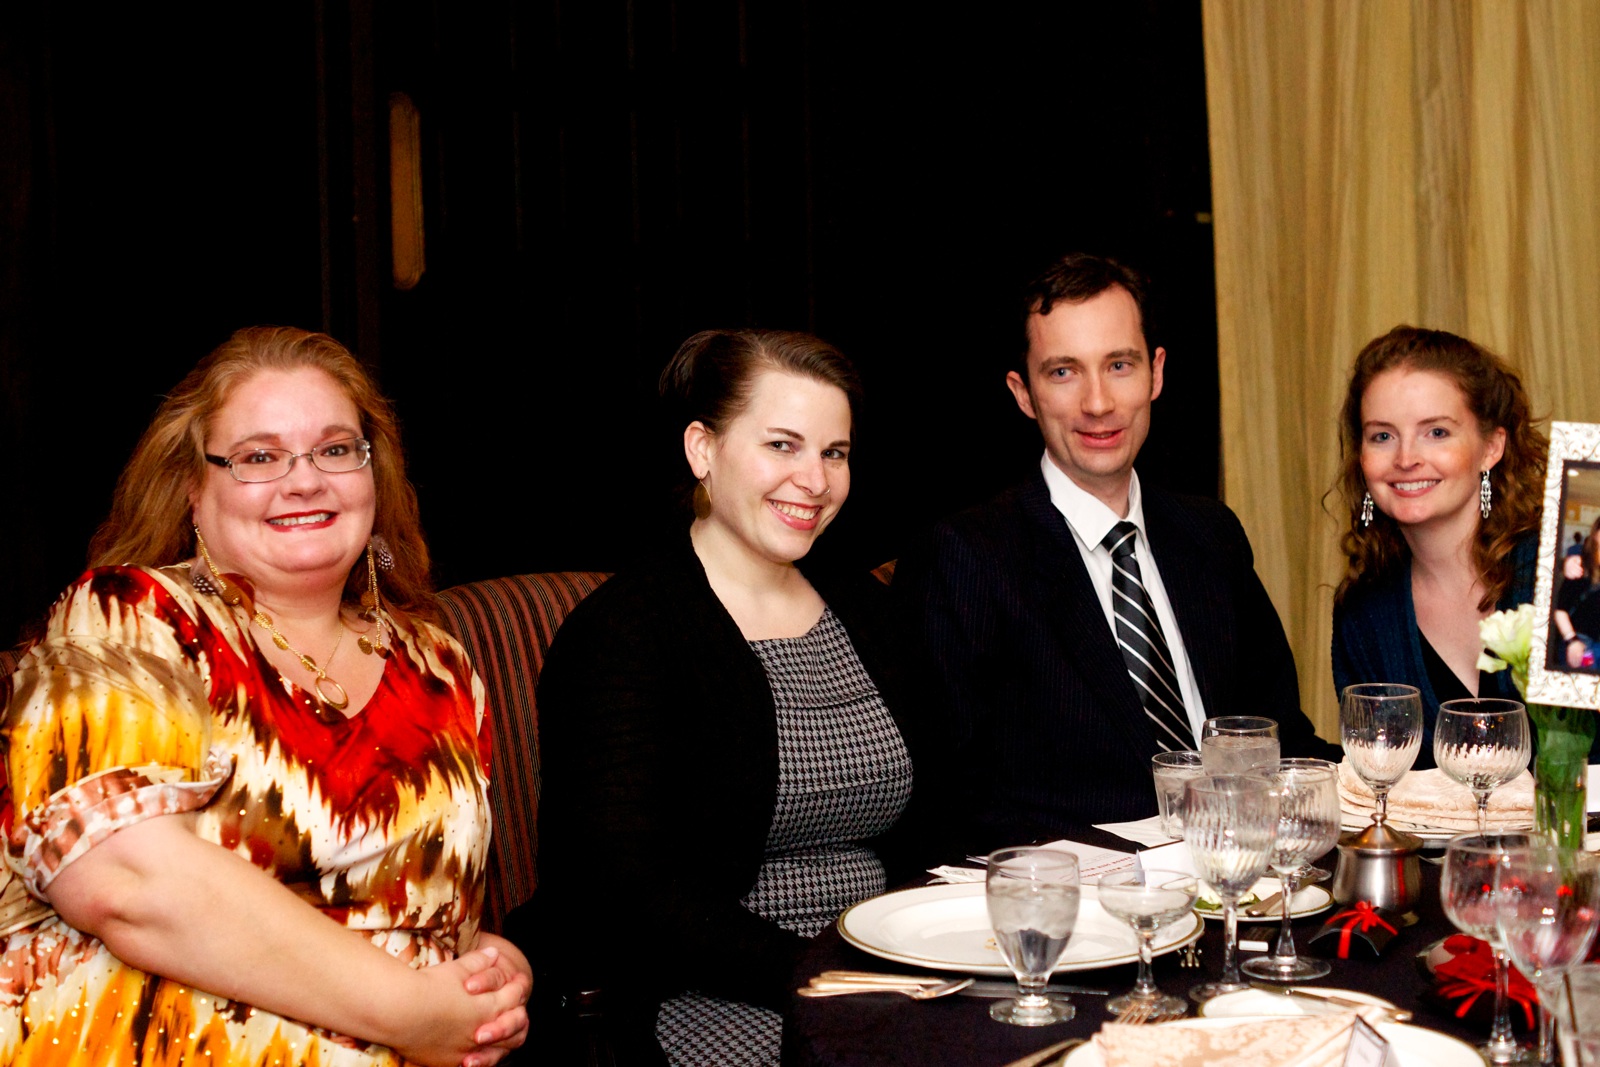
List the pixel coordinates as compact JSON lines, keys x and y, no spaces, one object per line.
{"x":1564,"y":660}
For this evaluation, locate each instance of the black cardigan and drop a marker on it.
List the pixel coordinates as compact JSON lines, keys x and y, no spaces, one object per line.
{"x":659,"y":756}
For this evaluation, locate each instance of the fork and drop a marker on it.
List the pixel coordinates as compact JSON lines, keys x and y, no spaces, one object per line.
{"x":838,"y":989}
{"x":1138,"y":1014}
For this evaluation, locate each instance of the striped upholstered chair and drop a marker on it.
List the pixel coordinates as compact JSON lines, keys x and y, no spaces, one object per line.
{"x":506,"y":625}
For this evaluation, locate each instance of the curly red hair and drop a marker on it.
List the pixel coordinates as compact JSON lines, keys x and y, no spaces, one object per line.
{"x":1496,"y":398}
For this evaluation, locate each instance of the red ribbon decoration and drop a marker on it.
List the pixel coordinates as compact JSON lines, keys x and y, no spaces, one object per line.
{"x":1469,"y":974}
{"x":1359,"y":919}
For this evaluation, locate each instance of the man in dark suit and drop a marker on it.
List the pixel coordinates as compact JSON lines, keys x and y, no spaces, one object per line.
{"x":1037,"y":607}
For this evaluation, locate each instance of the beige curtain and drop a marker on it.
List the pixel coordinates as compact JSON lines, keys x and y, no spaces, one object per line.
{"x":1376,"y":162}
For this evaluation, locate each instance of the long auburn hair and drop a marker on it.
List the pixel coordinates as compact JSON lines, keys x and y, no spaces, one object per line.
{"x":1496,"y":398}
{"x":151,"y":523}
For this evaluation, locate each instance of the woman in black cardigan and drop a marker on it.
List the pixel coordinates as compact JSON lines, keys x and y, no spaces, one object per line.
{"x":721,"y":731}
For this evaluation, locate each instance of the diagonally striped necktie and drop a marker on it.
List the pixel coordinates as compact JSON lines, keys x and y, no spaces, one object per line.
{"x":1144,"y":649}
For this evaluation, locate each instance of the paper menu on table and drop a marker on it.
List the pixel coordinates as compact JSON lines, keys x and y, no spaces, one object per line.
{"x":1093,"y":861}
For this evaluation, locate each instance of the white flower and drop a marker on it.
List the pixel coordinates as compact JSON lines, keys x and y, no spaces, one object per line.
{"x":1508,"y":638}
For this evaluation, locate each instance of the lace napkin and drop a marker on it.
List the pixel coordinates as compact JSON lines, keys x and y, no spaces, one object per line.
{"x":1433,"y":799}
{"x":1309,"y":1041}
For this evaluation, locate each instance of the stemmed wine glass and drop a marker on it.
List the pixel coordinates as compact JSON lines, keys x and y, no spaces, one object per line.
{"x":1547,"y":905}
{"x":1381,"y":726}
{"x":1147,"y":901}
{"x":1239,"y":744}
{"x":1033,"y":905}
{"x":1230,"y":822}
{"x":1482,"y":743}
{"x":1308,"y":826}
{"x":1467,"y":891}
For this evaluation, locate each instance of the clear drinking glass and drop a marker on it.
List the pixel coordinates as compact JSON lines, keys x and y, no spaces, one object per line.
{"x":1308,"y":826}
{"x":1239,"y":744}
{"x":1230,"y":823}
{"x":1467,"y":891}
{"x":1033,"y":905}
{"x":1171,"y":770}
{"x":1547,"y":905}
{"x":1381,"y":726}
{"x":1147,"y":901}
{"x":1482,"y":743}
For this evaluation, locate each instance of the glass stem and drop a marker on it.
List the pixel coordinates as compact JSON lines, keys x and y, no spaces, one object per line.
{"x":1284,"y":953}
{"x":1145,"y":986}
{"x":1500,"y":1035}
{"x":1382,"y":795}
{"x":1483,"y":812}
{"x":1547,"y":1028}
{"x":1230,"y":942}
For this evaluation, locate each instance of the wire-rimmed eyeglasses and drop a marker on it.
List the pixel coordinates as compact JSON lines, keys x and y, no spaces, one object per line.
{"x":269,"y":464}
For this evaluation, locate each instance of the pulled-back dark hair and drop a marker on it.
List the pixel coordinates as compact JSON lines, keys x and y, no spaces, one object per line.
{"x":1074,"y":278}
{"x":709,"y":379}
{"x":1495,"y":396}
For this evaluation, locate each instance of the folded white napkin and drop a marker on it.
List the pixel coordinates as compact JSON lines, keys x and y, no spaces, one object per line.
{"x":1310,"y":1041}
{"x":1144,"y":831}
{"x":1432,"y":798}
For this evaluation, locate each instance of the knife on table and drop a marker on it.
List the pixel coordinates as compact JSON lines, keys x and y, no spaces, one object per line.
{"x":979,"y":988}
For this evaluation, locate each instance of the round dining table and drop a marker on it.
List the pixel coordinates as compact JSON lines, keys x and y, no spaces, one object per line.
{"x":866,"y":1030}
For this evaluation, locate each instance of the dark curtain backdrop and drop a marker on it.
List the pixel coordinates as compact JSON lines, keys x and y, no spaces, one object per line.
{"x":600,"y":180}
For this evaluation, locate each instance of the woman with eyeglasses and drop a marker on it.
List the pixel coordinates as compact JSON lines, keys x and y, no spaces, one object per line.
{"x":247,"y":814}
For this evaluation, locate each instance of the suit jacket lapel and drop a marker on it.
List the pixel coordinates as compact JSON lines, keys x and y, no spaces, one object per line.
{"x":1073,"y":610}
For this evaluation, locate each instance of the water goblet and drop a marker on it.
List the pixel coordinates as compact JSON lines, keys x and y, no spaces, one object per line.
{"x":1239,"y":744}
{"x":1547,"y":906}
{"x":1171,"y":770}
{"x":1308,"y":826}
{"x":1032,"y":895}
{"x":1467,"y":891}
{"x":1230,"y":823}
{"x":1482,"y":743}
{"x":1381,"y":727}
{"x":1147,"y":900}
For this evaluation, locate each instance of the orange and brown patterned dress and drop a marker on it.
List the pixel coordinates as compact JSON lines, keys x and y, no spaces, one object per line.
{"x":146,"y":698}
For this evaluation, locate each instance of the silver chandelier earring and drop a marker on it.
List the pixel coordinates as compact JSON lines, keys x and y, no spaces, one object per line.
{"x":1366,"y":509}
{"x":1485,"y":496}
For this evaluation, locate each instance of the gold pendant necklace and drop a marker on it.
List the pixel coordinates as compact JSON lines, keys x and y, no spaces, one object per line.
{"x":235,"y":597}
{"x":338,"y":703}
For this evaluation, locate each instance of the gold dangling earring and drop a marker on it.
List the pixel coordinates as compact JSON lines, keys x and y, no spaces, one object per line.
{"x":372,"y":608}
{"x":210,"y":580}
{"x":702,"y":499}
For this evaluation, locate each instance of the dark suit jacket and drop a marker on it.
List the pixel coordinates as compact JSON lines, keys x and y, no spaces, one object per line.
{"x":1048,"y":732}
{"x":659,"y":754}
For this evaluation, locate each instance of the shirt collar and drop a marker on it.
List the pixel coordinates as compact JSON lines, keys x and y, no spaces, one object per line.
{"x":1088,"y":516}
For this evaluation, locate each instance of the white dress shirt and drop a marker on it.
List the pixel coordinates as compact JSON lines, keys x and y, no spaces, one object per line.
{"x":1090,"y":520}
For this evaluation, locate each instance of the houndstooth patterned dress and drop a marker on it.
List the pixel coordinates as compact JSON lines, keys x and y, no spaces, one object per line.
{"x":843,"y":776}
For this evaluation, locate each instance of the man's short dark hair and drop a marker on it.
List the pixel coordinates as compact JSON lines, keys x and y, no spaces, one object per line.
{"x":1074,"y":278}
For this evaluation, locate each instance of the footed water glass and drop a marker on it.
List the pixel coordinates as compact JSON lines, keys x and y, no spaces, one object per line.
{"x":1239,"y":744}
{"x":1032,"y":894}
{"x":1171,"y":770}
{"x":1482,"y":743}
{"x":1467,"y":891}
{"x":1230,"y":823}
{"x":1308,"y":826}
{"x":1547,"y":906}
{"x":1380,"y":724}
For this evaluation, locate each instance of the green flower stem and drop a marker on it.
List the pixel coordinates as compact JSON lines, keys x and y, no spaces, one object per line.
{"x":1560,"y":767}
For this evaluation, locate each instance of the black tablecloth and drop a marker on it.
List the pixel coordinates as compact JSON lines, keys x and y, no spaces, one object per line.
{"x":890,"y":1029}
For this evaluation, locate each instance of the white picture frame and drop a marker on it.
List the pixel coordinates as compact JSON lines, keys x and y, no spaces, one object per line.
{"x":1571,"y":505}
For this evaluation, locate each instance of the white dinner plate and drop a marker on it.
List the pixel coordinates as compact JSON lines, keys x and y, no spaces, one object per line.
{"x":1427,"y":833}
{"x":1256,"y":1003}
{"x":1413,"y":1046}
{"x":946,"y":927}
{"x":1307,"y":901}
